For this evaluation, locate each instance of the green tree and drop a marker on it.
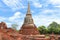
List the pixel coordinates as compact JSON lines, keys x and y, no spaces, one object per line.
{"x":53,"y":27}
{"x":14,"y":26}
{"x":42,"y":29}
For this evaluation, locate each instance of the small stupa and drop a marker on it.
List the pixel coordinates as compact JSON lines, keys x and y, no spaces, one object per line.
{"x":28,"y":27}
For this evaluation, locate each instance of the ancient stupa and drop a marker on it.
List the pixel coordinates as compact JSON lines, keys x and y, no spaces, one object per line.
{"x":28,"y":27}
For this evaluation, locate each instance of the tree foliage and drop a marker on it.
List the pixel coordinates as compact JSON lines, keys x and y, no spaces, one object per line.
{"x":53,"y":27}
{"x":42,"y":29}
{"x":14,"y":26}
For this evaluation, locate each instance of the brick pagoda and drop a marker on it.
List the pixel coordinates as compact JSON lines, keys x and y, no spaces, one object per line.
{"x":28,"y":27}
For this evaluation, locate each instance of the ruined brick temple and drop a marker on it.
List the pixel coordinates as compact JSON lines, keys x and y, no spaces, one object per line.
{"x":28,"y":31}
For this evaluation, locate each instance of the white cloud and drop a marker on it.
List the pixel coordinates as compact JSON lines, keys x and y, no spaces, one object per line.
{"x":36,"y":3}
{"x":13,"y":19}
{"x":32,"y":11}
{"x":42,"y":19}
{"x":14,"y":4}
{"x":15,"y":16}
{"x":51,"y":12}
{"x":55,"y":2}
{"x":20,"y":23}
{"x":8,"y":24}
{"x":2,"y":18}
{"x":33,"y":0}
{"x":45,"y":20}
{"x":57,"y":6}
{"x":47,"y":11}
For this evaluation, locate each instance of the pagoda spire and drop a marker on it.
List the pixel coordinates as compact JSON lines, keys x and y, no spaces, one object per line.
{"x":28,"y":19}
{"x":28,"y":10}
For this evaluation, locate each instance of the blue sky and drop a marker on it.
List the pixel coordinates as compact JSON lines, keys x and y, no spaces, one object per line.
{"x":43,"y":11}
